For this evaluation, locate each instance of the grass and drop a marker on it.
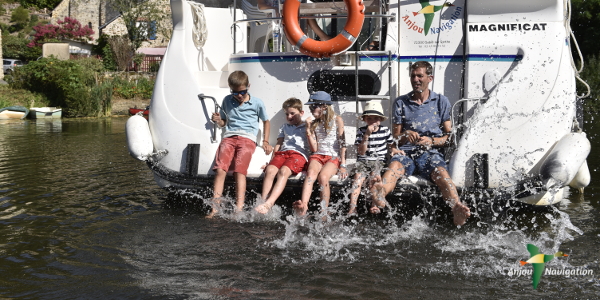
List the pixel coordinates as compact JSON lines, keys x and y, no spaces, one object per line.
{"x":11,"y":97}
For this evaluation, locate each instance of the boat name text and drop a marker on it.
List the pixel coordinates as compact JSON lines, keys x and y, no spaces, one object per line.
{"x":508,"y":27}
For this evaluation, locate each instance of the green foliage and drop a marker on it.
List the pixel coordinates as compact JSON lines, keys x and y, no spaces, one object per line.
{"x":104,"y":50}
{"x":50,"y":4}
{"x":10,"y":97}
{"x":132,"y":11}
{"x":585,"y":23}
{"x":154,"y":67}
{"x":20,"y":16}
{"x":591,"y":76}
{"x":128,"y":89}
{"x":102,"y":94}
{"x":16,"y":47}
{"x":65,"y":83}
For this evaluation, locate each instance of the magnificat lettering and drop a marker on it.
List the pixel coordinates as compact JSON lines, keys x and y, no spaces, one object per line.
{"x":508,"y":27}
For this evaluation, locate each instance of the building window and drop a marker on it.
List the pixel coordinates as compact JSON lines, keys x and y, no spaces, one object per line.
{"x":90,"y":25}
{"x":147,"y":29}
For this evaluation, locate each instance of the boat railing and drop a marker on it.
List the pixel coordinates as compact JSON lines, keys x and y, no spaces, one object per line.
{"x":458,"y":128}
{"x":311,"y":11}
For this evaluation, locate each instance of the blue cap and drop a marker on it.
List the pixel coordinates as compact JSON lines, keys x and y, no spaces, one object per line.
{"x":319,"y":97}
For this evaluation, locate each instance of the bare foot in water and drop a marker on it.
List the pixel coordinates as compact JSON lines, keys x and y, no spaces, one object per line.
{"x":212,"y":213}
{"x":214,"y":203}
{"x":378,"y":200}
{"x":374,"y":210}
{"x":461,"y":213}
{"x":263,"y":208}
{"x":300,"y":208}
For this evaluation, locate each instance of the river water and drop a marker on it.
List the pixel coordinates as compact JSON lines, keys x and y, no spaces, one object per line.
{"x":81,"y":219}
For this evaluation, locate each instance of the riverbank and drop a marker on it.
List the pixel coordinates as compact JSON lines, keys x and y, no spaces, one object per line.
{"x":122,"y":106}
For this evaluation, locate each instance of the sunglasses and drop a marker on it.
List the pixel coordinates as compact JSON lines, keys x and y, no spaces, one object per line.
{"x":314,"y":106}
{"x":242,"y":92}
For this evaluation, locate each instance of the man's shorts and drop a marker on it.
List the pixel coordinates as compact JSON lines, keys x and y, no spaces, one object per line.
{"x":423,"y":162}
{"x":291,"y":159}
{"x":323,"y":159}
{"x":234,"y":154}
{"x":368,"y":166}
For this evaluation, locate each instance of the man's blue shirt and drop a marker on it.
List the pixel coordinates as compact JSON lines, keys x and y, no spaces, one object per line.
{"x":426,"y":119}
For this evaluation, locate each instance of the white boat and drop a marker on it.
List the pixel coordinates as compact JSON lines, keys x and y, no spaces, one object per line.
{"x":506,"y":67}
{"x":13,"y":112}
{"x":45,"y":113}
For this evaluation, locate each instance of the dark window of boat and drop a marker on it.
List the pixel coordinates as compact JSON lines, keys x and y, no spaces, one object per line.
{"x":342,"y":82}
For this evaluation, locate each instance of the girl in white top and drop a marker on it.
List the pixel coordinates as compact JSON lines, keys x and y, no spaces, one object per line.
{"x":327,"y":142}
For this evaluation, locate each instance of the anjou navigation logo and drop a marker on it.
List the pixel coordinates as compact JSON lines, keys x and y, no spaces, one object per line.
{"x":429,"y":10}
{"x":538,"y":261}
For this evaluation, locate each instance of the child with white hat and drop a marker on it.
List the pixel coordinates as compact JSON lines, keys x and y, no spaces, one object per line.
{"x":372,"y":142}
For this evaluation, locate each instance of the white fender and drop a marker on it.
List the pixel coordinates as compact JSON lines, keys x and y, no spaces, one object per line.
{"x":582,"y":179}
{"x":565,"y":159}
{"x":139,"y":139}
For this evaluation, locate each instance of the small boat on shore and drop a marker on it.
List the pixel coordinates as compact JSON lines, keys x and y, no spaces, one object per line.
{"x":134,"y":111}
{"x":13,"y":112}
{"x":45,"y":113}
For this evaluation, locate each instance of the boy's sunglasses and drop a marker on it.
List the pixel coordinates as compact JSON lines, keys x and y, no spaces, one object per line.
{"x":243,"y":92}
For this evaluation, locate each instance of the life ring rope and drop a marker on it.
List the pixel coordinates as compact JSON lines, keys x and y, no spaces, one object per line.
{"x":344,"y":40}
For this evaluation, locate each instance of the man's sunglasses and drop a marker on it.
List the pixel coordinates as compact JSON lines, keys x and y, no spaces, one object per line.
{"x":243,"y":92}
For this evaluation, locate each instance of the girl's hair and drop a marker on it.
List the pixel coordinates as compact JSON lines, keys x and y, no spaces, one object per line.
{"x":292,"y":103}
{"x":327,"y":117}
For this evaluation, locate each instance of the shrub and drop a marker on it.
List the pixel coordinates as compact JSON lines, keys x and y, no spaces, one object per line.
{"x":65,"y":83}
{"x":140,"y":88}
{"x":10,"y":97}
{"x":592,"y":77}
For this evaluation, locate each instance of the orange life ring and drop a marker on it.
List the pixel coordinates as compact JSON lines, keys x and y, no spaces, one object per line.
{"x":336,"y":45}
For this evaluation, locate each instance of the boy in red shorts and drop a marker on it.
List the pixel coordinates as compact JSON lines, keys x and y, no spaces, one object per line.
{"x":290,"y":154}
{"x":239,"y":115}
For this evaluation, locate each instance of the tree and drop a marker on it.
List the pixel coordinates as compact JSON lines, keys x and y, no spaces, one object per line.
{"x":143,"y":18}
{"x":67,"y":29}
{"x":16,"y":47}
{"x":20,"y":16}
{"x":50,"y":4}
{"x":585,"y":23}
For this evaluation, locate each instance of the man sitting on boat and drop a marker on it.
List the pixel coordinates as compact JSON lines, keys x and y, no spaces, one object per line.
{"x":421,"y":126}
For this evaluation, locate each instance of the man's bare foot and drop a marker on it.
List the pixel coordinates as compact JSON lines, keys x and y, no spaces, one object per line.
{"x":461,"y":213}
{"x":375,"y":180}
{"x":263,"y":208}
{"x":378,"y":200}
{"x":375,"y":210}
{"x":300,"y":208}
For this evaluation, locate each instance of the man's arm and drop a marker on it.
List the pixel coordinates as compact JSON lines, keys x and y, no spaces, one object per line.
{"x":440,"y":142}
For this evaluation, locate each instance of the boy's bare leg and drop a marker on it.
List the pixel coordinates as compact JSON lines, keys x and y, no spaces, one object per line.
{"x":270,"y":173}
{"x":282,"y":176}
{"x":218,"y":185}
{"x":301,"y":206}
{"x":359,"y":178}
{"x":382,"y":186}
{"x":240,"y":191}
{"x":442,"y":179}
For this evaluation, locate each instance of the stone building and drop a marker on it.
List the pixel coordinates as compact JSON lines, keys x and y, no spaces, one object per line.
{"x":103,"y":19}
